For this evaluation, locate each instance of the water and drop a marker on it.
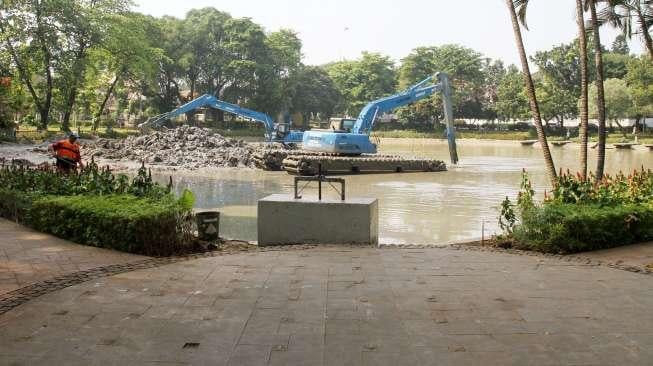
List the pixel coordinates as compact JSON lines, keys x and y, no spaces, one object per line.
{"x":414,"y":208}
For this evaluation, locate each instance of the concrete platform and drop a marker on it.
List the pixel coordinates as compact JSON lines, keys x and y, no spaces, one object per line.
{"x":285,"y":220}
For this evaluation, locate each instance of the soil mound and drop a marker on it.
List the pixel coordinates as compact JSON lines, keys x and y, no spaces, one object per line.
{"x":184,"y":147}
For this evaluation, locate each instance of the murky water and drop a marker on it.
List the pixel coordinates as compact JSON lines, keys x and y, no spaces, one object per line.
{"x":415,"y":208}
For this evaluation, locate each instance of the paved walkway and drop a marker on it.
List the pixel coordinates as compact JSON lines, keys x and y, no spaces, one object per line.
{"x":343,"y":306}
{"x":27,"y":256}
{"x":637,"y":255}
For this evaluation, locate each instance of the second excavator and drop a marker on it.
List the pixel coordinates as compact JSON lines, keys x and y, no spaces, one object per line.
{"x":347,"y":148}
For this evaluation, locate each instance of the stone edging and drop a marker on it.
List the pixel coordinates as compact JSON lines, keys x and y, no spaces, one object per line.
{"x":562,"y":257}
{"x":22,"y":295}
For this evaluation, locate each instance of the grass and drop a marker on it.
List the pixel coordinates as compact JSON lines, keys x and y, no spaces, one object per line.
{"x":28,"y":133}
{"x":487,"y":135}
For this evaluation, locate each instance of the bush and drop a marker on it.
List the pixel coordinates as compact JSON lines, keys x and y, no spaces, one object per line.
{"x":122,"y":222}
{"x":14,"y":204}
{"x":96,"y":207}
{"x":569,"y":228}
{"x":581,"y":214}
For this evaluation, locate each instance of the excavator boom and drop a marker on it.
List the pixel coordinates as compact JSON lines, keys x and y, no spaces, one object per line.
{"x":273,"y":131}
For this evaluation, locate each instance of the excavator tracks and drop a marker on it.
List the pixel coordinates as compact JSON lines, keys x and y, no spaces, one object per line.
{"x":308,"y":162}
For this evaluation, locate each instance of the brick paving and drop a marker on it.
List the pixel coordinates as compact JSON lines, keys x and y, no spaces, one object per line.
{"x":27,"y":257}
{"x":343,"y":306}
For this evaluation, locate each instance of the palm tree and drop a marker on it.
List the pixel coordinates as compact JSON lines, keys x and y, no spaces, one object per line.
{"x":631,"y":17}
{"x":582,"y":44}
{"x":530,"y":88}
{"x":600,"y":102}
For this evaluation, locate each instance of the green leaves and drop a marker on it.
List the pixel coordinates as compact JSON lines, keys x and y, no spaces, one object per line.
{"x":96,"y":207}
{"x":582,"y":214}
{"x":362,"y":81}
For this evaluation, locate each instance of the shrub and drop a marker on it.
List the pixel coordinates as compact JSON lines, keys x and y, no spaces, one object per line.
{"x":581,"y":214}
{"x":568,"y":228}
{"x":96,"y":207}
{"x":123,"y":222}
{"x":14,"y":204}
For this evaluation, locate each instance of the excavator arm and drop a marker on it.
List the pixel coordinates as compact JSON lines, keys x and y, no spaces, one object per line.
{"x":208,"y":100}
{"x":367,"y":117}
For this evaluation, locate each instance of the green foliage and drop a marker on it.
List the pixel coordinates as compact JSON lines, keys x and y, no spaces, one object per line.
{"x":569,"y":228}
{"x":635,"y":188}
{"x":363,"y":80}
{"x":315,"y":93}
{"x":639,"y":78}
{"x":98,"y":208}
{"x":512,"y":102}
{"x":581,"y":215}
{"x":618,"y":102}
{"x":90,"y":180}
{"x":122,"y":222}
{"x":466,"y":71}
{"x":620,"y":45}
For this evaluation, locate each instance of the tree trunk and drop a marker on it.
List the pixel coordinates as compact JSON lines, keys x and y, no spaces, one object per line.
{"x":98,"y":114}
{"x":47,"y":103}
{"x":582,"y":133}
{"x":600,"y":96}
{"x":647,"y":36}
{"x":72,"y":93}
{"x":624,"y":132}
{"x":530,"y":88}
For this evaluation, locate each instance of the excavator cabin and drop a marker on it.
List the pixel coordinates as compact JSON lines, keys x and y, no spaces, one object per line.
{"x":341,"y":124}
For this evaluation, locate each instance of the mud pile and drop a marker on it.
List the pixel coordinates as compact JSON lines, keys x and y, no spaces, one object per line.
{"x":184,"y":147}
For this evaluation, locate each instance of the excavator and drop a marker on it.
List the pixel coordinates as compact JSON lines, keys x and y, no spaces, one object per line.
{"x":274,"y":132}
{"x":346,"y":147}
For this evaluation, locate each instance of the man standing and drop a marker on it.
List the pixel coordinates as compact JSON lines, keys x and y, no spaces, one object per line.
{"x":67,"y":153}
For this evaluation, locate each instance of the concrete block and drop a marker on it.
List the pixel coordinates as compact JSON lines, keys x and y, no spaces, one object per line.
{"x":285,"y":220}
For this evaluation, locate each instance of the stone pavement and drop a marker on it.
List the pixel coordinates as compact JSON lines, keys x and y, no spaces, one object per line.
{"x":27,"y":256}
{"x":637,"y":255}
{"x":343,"y":306}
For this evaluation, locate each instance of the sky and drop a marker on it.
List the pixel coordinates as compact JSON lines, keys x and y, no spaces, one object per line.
{"x":333,"y":30}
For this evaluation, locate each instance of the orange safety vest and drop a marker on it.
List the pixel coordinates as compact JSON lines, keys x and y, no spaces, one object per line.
{"x":67,"y":150}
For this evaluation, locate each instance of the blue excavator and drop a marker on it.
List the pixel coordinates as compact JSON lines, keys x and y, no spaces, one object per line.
{"x":346,"y":147}
{"x":274,"y":132}
{"x":351,"y":137}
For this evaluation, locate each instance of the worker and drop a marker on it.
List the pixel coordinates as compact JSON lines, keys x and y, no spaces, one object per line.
{"x":67,"y":153}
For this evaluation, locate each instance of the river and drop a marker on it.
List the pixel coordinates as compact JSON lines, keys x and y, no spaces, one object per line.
{"x":414,"y":208}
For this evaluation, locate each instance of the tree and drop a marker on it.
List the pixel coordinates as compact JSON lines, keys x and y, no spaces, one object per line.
{"x":640,"y":84}
{"x":512,"y":102}
{"x":362,"y":81}
{"x":615,"y":65}
{"x":286,"y":56}
{"x":530,"y":88}
{"x":493,"y":71}
{"x":315,"y":93}
{"x":584,"y":80}
{"x":618,"y":101}
{"x":561,"y":65}
{"x":555,"y":102}
{"x":632,"y":17}
{"x":85,"y":25}
{"x":600,"y":98}
{"x":28,"y":30}
{"x":126,"y":57}
{"x":466,"y":71}
{"x":620,"y":45}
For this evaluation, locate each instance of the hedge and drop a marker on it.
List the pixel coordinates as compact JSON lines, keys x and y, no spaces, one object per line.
{"x":124,"y":222}
{"x":569,"y":228}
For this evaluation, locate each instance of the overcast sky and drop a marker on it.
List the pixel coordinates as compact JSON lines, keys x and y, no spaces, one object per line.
{"x":335,"y":29}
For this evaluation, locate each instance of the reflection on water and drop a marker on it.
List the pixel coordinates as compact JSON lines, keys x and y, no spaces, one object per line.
{"x":415,"y":208}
